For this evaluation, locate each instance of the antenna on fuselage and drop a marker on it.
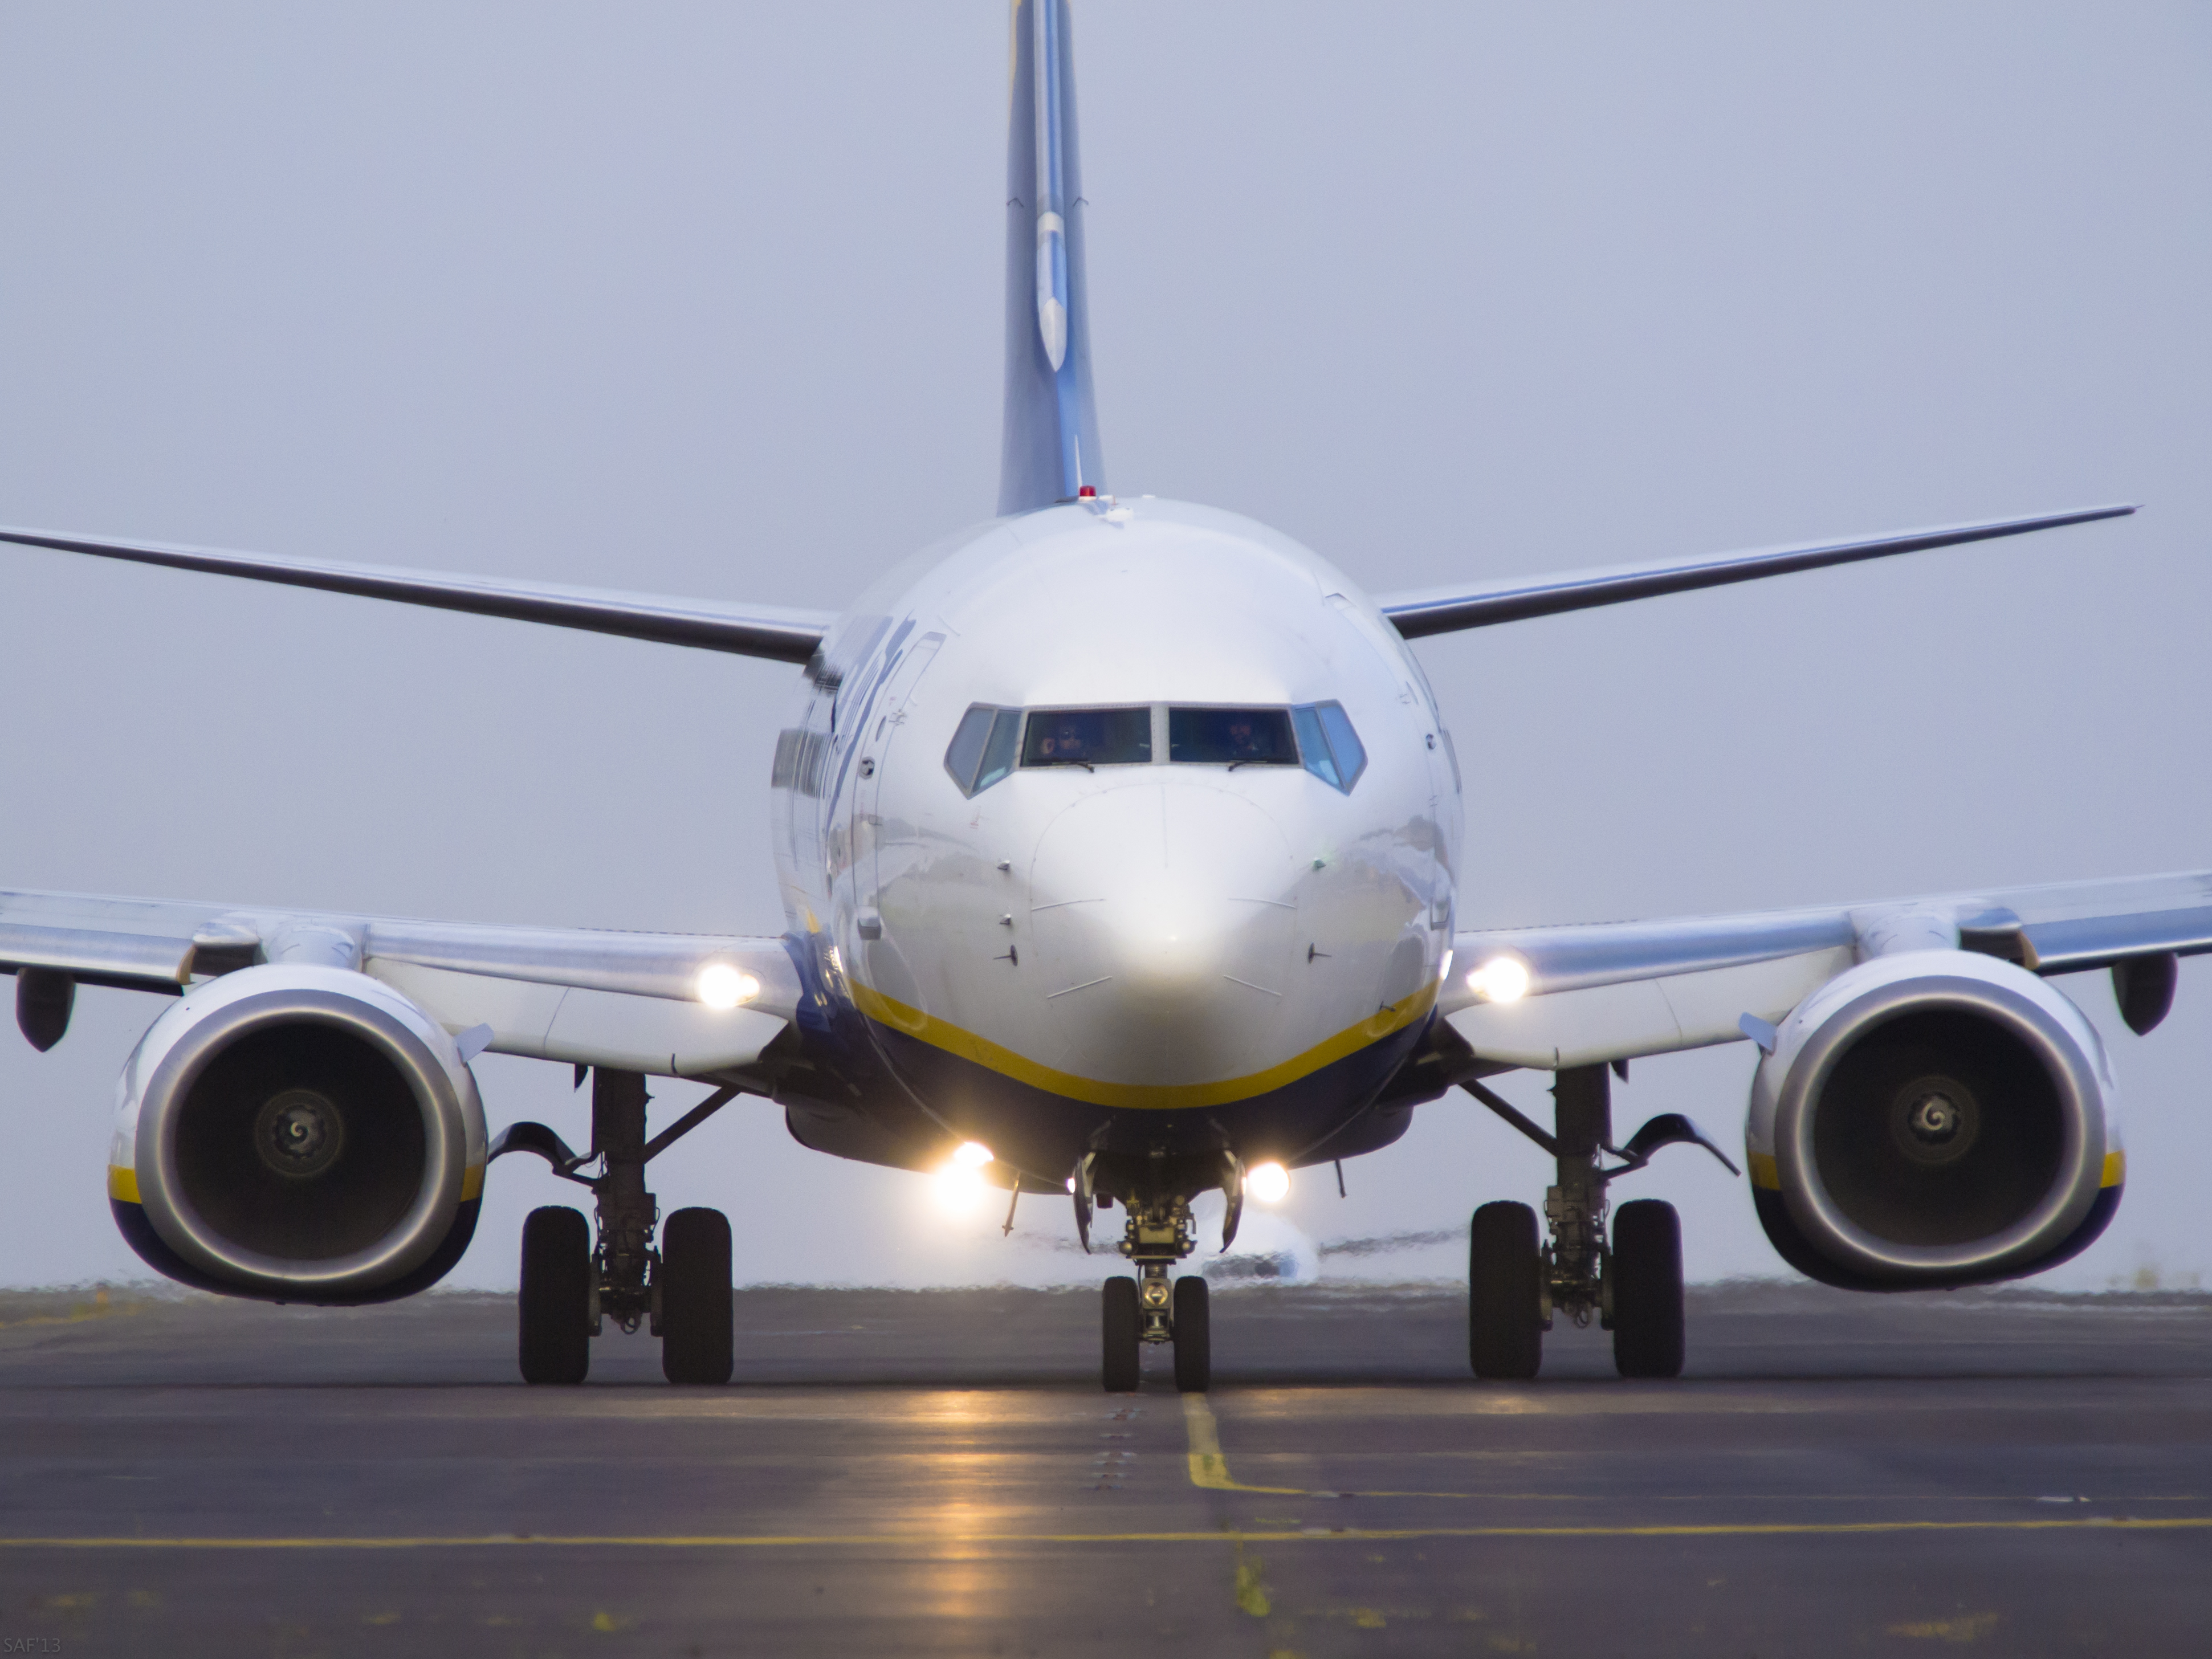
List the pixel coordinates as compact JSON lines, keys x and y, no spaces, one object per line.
{"x":1050,"y":450}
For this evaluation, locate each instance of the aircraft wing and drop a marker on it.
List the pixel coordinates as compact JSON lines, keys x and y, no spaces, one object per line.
{"x":777,"y":632}
{"x":1416,"y":613}
{"x":632,"y":1001}
{"x":1611,"y":991}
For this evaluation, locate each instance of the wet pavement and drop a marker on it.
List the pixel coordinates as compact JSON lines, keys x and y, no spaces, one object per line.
{"x":938,"y":1471}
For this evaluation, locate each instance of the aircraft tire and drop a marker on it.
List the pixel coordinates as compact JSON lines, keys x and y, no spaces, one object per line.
{"x":696,"y":1346}
{"x":1647,"y":1290}
{"x":1193,"y":1336}
{"x":557,"y":1296}
{"x":1123,"y":1327}
{"x":1504,"y":1322}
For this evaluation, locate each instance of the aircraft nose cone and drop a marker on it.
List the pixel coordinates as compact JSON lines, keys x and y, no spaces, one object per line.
{"x":1163,"y":919}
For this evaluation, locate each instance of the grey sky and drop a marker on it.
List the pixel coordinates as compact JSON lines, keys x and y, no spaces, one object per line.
{"x":705,"y":299}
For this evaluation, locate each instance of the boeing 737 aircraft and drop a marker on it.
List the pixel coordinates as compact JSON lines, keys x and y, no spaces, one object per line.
{"x":1125,"y":901}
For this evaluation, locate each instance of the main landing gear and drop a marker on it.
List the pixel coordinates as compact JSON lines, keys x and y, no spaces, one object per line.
{"x":1152,"y":1309}
{"x":570,"y":1286}
{"x":1632,"y":1285}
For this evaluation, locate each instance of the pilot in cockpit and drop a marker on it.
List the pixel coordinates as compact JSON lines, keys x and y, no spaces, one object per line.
{"x":1065,"y":741}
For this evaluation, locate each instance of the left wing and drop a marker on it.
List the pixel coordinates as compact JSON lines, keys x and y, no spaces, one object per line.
{"x":1586,"y":994}
{"x":668,"y":1004}
{"x":757,"y":630}
{"x":1418,"y":612}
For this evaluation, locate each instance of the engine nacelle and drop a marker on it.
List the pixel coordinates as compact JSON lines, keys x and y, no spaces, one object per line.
{"x":1931,"y":1118}
{"x":298,"y":1133}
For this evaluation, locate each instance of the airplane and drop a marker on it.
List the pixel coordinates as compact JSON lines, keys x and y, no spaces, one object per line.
{"x":1122,"y":846}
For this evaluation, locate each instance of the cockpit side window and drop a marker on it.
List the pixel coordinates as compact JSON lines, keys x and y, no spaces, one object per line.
{"x":1313,"y":744}
{"x":1331,"y":748}
{"x":1088,"y":736}
{"x":983,"y":750}
{"x":1231,"y":736}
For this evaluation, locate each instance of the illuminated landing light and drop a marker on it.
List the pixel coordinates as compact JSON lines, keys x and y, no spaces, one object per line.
{"x":959,"y":1187}
{"x":1268,"y":1182}
{"x":721,"y":985}
{"x":960,"y":1183}
{"x":1501,"y":978}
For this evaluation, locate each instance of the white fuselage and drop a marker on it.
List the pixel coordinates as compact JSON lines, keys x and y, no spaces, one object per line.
{"x":1076,"y":944}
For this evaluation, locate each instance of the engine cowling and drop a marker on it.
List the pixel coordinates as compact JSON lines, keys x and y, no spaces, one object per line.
{"x":298,"y":1133}
{"x":1932,"y":1119}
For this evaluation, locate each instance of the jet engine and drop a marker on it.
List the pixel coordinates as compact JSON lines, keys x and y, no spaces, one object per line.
{"x":1932,"y":1119}
{"x":298,"y":1133}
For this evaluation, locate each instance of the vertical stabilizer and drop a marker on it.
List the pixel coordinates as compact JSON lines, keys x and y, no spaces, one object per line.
{"x":1051,"y":447}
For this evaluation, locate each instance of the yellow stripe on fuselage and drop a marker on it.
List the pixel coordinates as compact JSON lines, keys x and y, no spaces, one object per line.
{"x":1144,"y":1097}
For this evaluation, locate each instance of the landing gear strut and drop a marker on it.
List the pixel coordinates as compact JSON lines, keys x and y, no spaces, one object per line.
{"x":1152,"y":1309}
{"x":570,"y":1286}
{"x":1633,"y":1286}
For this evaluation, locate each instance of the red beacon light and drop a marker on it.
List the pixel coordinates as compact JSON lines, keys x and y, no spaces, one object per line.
{"x":1085,"y":492}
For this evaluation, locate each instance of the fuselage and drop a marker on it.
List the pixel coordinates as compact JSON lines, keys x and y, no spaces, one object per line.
{"x":1126,"y":826}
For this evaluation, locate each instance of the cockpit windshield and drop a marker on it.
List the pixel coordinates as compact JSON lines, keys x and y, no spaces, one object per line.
{"x":1231,"y":736}
{"x":1088,"y":736}
{"x":1318,"y":736}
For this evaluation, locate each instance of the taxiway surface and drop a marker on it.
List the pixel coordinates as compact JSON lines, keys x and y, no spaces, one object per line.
{"x":938,"y":1471}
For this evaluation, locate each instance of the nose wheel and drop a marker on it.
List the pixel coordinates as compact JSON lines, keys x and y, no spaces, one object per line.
{"x":1180,"y":1318}
{"x":1125,"y":1335}
{"x":1193,"y":1336}
{"x":1152,"y":1309}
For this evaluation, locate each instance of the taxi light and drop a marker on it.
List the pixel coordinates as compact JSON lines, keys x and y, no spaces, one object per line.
{"x":721,"y":985}
{"x":1268,"y":1182}
{"x":959,"y":1186}
{"x":974,"y":1154}
{"x":1501,"y":978}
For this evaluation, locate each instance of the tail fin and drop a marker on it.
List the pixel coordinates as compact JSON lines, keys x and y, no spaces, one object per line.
{"x":1051,"y":447}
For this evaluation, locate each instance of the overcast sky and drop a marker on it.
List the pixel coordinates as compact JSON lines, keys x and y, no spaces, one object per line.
{"x":705,"y":299}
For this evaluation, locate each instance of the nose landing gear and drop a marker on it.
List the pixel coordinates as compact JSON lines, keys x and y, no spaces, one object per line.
{"x":1151,"y":1309}
{"x":1633,"y":1286}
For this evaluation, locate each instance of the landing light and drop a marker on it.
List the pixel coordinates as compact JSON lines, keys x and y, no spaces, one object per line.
{"x":972,"y":1153}
{"x":1501,"y":978}
{"x":721,"y":985}
{"x":1268,"y":1182}
{"x":959,"y":1186}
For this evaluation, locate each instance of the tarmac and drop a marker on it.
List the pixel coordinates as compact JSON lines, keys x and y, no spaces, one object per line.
{"x":938,"y":1471}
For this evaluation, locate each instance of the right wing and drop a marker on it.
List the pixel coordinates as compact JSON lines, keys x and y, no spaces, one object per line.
{"x":1592,"y":992}
{"x":758,"y":630}
{"x":632,"y":1001}
{"x":1416,"y":613}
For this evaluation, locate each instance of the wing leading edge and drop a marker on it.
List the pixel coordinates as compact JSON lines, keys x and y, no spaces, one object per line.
{"x":634,"y":1001}
{"x":1611,"y":991}
{"x":781,"y":634}
{"x":1416,"y":613}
